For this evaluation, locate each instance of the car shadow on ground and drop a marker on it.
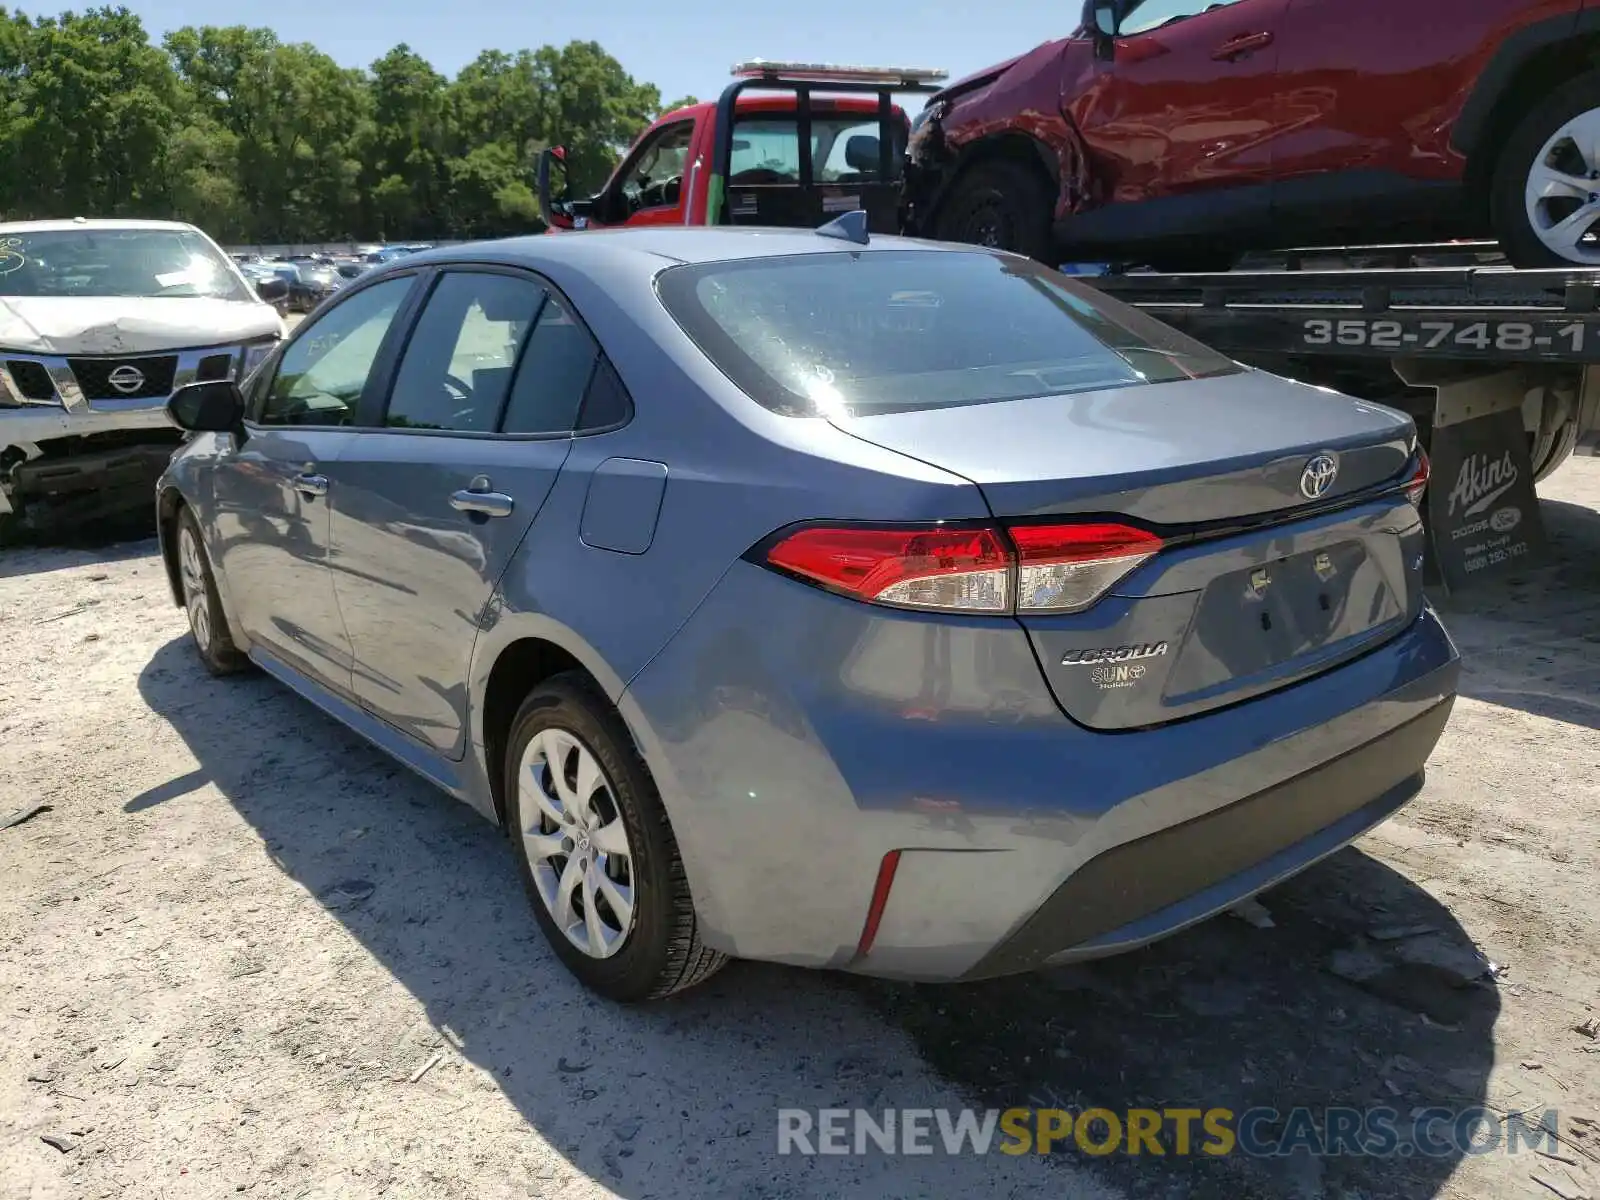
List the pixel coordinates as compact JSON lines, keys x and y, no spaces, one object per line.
{"x":677,"y":1099}
{"x":1530,"y":640}
{"x":1362,"y":993}
{"x":1327,"y":1008}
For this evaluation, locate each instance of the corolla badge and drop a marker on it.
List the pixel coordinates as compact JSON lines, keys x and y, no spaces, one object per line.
{"x":1112,"y":654}
{"x":1318,"y":476}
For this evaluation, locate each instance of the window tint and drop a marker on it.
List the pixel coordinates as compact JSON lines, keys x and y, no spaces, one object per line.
{"x":323,"y":371}
{"x":895,"y":330}
{"x":554,"y":373}
{"x":457,"y":367}
{"x":606,"y":404}
{"x":1145,"y":15}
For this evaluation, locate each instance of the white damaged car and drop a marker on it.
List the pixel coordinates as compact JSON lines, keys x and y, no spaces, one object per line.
{"x":100,"y":321}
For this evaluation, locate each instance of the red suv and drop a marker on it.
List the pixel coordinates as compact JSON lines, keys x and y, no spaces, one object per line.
{"x":1181,"y":132}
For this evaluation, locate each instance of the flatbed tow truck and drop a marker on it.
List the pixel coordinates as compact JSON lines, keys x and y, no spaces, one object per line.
{"x":1498,"y":366}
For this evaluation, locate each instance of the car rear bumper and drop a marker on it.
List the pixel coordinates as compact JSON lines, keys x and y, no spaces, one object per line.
{"x":1153,"y":886}
{"x":798,"y":738}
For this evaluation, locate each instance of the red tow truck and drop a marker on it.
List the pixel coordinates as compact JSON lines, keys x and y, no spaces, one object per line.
{"x":816,"y":142}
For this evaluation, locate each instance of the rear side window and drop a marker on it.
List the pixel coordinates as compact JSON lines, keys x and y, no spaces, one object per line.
{"x":554,"y":374}
{"x":853,"y":334}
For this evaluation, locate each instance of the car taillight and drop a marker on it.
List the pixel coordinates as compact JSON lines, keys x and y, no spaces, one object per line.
{"x":1066,"y":568}
{"x":1022,"y":569}
{"x":1418,"y":483}
{"x":943,"y":568}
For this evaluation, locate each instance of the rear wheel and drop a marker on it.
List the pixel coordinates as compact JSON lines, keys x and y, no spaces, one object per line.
{"x":1002,"y":204}
{"x":1545,"y":197}
{"x":595,"y":849}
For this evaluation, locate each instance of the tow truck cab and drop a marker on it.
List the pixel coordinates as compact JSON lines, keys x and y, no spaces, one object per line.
{"x":817,"y":141}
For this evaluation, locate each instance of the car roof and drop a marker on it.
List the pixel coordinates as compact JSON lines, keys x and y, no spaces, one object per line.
{"x":69,"y":223}
{"x":668,"y":244}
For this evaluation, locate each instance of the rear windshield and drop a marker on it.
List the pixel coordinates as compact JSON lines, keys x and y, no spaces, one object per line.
{"x":115,"y":262}
{"x":853,"y":334}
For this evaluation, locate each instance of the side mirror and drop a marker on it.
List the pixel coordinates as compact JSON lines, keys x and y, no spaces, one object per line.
{"x":216,"y":406}
{"x":554,"y":205}
{"x":272,"y":288}
{"x":1102,"y":23}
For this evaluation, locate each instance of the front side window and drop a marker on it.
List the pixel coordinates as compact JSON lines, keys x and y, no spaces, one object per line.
{"x":853,"y":334}
{"x":1144,"y":15}
{"x":324,"y":370}
{"x":144,"y":263}
{"x":456,"y":373}
{"x":654,"y":177}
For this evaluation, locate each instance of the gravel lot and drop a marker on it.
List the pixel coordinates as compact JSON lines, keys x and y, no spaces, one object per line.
{"x":242,"y":952}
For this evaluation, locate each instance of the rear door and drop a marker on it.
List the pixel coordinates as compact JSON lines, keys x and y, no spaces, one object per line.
{"x":1373,"y":88}
{"x":434,"y":495}
{"x":1191,"y":103}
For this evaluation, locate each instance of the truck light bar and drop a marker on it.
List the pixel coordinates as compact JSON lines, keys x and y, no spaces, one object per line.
{"x":800,"y":72}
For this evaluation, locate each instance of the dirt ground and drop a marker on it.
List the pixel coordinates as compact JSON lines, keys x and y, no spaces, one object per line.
{"x":241,"y":952}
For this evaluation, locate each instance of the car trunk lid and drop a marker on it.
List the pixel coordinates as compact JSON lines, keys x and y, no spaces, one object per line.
{"x":1270,"y":571}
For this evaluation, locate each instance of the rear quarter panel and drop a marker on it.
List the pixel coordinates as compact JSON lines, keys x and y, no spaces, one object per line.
{"x":734,"y":473}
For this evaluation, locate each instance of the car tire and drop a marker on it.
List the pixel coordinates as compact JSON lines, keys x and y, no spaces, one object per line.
{"x":208,"y":624}
{"x":615,"y":841}
{"x":1002,"y":204}
{"x":1520,"y":221}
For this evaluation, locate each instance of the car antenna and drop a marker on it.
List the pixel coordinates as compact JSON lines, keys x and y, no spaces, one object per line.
{"x":847,"y":227}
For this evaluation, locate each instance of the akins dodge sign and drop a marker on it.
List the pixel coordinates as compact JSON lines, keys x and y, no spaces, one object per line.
{"x":1481,"y":504}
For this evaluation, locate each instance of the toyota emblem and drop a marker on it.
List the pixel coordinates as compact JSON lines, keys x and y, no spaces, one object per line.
{"x":127,"y":379}
{"x":1318,"y":476}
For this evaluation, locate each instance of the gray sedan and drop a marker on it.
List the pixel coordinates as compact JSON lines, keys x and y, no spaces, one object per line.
{"x":897,"y":607}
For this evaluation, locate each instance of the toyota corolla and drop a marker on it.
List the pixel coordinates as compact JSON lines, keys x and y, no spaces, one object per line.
{"x":900,"y":607}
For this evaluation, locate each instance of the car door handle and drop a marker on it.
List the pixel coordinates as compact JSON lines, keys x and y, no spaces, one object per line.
{"x":480,"y":499}
{"x":1241,"y":45}
{"x":308,"y":484}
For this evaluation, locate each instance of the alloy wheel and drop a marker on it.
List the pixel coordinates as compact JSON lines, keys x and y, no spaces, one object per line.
{"x":191,"y":570}
{"x":1562,"y":193}
{"x":576,"y":843}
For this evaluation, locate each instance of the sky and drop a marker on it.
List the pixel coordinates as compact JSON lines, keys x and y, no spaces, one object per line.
{"x":684,"y":47}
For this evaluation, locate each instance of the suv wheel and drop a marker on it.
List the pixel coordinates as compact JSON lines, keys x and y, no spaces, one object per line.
{"x":207,"y":623}
{"x":1545,"y":199}
{"x":596,"y":852}
{"x":1000,"y":204}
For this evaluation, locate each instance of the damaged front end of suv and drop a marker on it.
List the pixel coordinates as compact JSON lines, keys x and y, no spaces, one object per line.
{"x":994,"y":161}
{"x":100,"y":322}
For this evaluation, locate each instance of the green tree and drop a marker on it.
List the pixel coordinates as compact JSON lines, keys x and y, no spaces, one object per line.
{"x":91,"y":108}
{"x":597,"y":108}
{"x":255,"y":139}
{"x":288,"y":119}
